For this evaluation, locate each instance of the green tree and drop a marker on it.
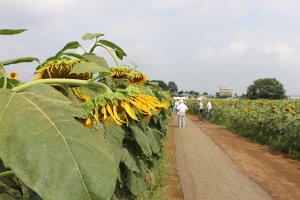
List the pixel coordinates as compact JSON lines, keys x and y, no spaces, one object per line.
{"x":180,"y":92}
{"x":267,"y":88}
{"x":161,"y":84}
{"x":172,"y":87}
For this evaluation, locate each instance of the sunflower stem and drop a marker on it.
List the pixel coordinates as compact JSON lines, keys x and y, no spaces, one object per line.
{"x":93,"y":79}
{"x":7,"y":173}
{"x":105,"y":47}
{"x":4,"y":75}
{"x":63,"y":81}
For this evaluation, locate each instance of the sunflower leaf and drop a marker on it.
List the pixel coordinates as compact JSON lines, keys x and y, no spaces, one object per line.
{"x":90,"y":67}
{"x":100,"y":61}
{"x":20,"y":60}
{"x":119,"y":52}
{"x":11,"y":31}
{"x":70,"y":45}
{"x":49,"y":150}
{"x":90,"y":36}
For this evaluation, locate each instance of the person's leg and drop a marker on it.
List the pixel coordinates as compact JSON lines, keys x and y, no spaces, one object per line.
{"x":179,"y":121}
{"x":208,"y":116}
{"x":183,"y":120}
{"x":200,"y":115}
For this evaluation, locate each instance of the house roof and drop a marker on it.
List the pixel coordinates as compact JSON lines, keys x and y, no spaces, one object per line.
{"x":185,"y":94}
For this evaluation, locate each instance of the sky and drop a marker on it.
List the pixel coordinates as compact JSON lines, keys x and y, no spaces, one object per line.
{"x":198,"y":44}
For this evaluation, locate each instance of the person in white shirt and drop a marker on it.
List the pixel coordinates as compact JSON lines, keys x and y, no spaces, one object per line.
{"x":182,"y":108}
{"x":209,"y":108}
{"x":200,"y":109}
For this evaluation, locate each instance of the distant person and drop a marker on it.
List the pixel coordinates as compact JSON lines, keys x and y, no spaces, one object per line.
{"x":200,"y":109}
{"x":175,"y":106}
{"x":209,"y":108}
{"x":182,"y":108}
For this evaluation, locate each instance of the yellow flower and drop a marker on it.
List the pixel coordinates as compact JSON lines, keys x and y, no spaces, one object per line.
{"x":120,"y":72}
{"x":287,"y":109}
{"x":80,"y":95}
{"x":137,"y":78}
{"x":13,"y":75}
{"x":61,"y":69}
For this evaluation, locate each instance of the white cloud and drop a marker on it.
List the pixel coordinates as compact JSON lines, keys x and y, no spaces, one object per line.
{"x":9,"y":47}
{"x":148,"y":61}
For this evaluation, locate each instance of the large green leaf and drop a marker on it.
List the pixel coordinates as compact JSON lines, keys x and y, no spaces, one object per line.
{"x":90,"y":67}
{"x":130,"y":160}
{"x":115,"y":135}
{"x":70,"y":45}
{"x":136,"y":182}
{"x":154,"y":141}
{"x":20,"y":60}
{"x":100,"y":61}
{"x":119,"y":52}
{"x":49,"y":150}
{"x":140,"y":137}
{"x":11,"y":31}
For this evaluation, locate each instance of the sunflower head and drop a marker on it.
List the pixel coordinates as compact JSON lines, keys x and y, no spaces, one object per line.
{"x":13,"y":75}
{"x":61,"y":68}
{"x":120,"y":72}
{"x":137,"y":78}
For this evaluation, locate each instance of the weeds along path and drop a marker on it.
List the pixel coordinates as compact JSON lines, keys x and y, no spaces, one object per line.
{"x":205,"y":171}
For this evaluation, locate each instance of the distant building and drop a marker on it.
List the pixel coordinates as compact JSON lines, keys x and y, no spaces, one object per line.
{"x":293,"y":97}
{"x":186,"y":95}
{"x":227,"y":91}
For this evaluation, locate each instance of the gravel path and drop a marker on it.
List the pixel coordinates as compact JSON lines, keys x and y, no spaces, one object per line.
{"x":206,"y":172}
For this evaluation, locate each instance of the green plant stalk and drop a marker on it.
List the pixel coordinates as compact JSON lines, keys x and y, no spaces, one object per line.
{"x":4,"y":75}
{"x":63,"y":81}
{"x":93,"y":79}
{"x":7,"y":173}
{"x":105,"y":47}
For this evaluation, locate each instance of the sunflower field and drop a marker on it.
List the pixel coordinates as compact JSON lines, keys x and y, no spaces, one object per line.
{"x":275,"y":123}
{"x":80,"y":129}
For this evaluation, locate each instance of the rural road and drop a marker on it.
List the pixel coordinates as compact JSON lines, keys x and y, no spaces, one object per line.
{"x":205,"y":171}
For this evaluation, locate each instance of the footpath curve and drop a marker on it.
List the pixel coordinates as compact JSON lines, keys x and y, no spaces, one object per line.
{"x":206,"y":172}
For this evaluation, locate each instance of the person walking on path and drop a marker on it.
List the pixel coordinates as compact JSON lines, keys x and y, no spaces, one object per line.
{"x":182,"y":108}
{"x":200,"y":110}
{"x":209,"y":108}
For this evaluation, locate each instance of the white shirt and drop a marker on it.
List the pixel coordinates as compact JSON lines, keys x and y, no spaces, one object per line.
{"x":182,"y":107}
{"x":201,"y":105}
{"x":209,"y":106}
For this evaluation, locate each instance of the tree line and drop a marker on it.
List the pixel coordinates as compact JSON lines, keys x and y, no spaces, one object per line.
{"x":266,"y":88}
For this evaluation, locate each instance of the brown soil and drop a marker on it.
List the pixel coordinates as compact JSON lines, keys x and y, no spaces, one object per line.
{"x":275,"y":172}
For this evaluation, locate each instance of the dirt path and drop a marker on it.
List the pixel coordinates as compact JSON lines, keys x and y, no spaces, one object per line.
{"x":277,"y":174}
{"x":206,"y":172}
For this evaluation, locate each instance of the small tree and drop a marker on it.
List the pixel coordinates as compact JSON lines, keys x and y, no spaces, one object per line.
{"x":172,"y":87}
{"x":161,"y":84}
{"x":267,"y":88}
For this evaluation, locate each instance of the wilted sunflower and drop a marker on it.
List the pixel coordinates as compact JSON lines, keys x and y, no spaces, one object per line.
{"x":80,"y":95}
{"x":13,"y":75}
{"x":287,"y":109}
{"x":61,"y":68}
{"x":137,"y":78}
{"x":118,"y":106}
{"x":120,"y":72}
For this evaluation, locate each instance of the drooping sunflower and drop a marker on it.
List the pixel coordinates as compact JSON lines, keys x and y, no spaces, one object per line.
{"x":120,"y":72}
{"x":61,"y":68}
{"x":121,"y":105}
{"x":80,"y":95}
{"x":13,"y":75}
{"x":137,"y":78}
